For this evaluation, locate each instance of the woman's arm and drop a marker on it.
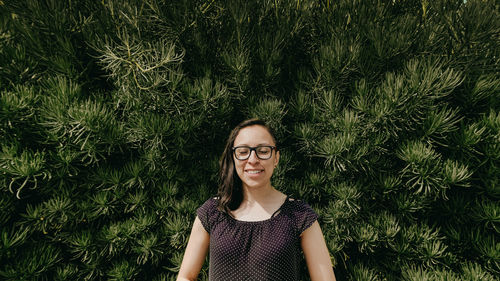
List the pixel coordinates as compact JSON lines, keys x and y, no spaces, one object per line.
{"x":316,"y":254}
{"x":195,"y":254}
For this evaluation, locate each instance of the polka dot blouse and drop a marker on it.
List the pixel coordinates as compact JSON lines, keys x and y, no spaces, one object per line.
{"x":256,"y":250}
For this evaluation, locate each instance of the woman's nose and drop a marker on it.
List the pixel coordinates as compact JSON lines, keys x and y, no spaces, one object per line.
{"x":253,"y":157}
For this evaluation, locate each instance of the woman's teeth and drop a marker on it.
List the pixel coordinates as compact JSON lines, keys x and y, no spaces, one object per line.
{"x":253,"y":172}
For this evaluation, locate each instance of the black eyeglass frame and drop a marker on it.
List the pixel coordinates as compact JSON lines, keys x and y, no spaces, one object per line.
{"x":272,"y":147}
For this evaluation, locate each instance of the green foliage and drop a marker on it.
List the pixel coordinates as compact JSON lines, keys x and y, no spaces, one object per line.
{"x":113,"y":115}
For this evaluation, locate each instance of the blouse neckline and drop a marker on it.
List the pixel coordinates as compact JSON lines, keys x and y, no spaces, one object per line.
{"x":279,"y":211}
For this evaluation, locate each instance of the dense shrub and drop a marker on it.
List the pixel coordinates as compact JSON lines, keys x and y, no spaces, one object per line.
{"x":113,"y":115}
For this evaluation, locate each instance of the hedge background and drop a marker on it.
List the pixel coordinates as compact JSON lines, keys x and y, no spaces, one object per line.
{"x":113,"y":115}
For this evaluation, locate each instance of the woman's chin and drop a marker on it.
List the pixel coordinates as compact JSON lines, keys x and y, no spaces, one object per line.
{"x":254,"y":184}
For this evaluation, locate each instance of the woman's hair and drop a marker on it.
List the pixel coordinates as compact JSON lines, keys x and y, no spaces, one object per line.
{"x":230,"y":189}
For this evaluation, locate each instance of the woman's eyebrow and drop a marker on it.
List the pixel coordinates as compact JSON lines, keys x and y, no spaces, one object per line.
{"x":244,"y":144}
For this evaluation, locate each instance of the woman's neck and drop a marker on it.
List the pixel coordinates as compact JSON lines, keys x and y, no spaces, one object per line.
{"x":260,"y":195}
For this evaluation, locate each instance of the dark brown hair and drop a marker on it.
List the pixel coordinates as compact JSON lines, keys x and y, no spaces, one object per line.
{"x":230,"y":188}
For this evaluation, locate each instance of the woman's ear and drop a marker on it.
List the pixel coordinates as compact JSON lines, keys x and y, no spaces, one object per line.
{"x":277,"y":158}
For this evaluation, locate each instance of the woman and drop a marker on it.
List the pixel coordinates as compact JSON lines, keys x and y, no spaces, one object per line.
{"x":254,"y":231}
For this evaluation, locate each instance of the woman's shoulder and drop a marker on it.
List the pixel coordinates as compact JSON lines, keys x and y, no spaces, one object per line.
{"x":207,"y":212}
{"x":302,"y":213}
{"x":297,"y":201}
{"x":297,"y":205}
{"x":210,"y":203}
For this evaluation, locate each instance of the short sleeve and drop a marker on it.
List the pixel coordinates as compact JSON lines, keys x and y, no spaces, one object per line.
{"x":305,"y":216}
{"x":205,"y":213}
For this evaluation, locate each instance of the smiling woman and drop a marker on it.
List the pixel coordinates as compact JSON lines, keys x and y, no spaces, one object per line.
{"x":251,"y":230}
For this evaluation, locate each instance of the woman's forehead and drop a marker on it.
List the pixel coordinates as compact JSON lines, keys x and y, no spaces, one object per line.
{"x":254,"y":135}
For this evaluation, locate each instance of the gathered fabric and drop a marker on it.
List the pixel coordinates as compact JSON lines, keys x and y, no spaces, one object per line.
{"x":256,"y":250}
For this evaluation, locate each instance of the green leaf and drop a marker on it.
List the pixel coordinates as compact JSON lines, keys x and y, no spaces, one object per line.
{"x":122,"y":270}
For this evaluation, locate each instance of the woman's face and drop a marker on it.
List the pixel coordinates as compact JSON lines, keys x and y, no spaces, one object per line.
{"x":255,"y":172}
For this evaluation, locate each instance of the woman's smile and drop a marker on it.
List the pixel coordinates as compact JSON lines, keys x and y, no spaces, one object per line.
{"x":254,"y":171}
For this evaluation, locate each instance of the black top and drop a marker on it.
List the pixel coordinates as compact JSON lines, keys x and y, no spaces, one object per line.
{"x":256,"y":250}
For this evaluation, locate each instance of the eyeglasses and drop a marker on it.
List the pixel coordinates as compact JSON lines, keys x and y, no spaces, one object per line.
{"x":263,"y":152}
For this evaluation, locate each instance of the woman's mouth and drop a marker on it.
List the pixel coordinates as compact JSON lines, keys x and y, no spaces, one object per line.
{"x":254,"y":172}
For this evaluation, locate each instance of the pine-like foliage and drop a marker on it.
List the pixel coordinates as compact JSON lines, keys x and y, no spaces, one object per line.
{"x":113,"y":115}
